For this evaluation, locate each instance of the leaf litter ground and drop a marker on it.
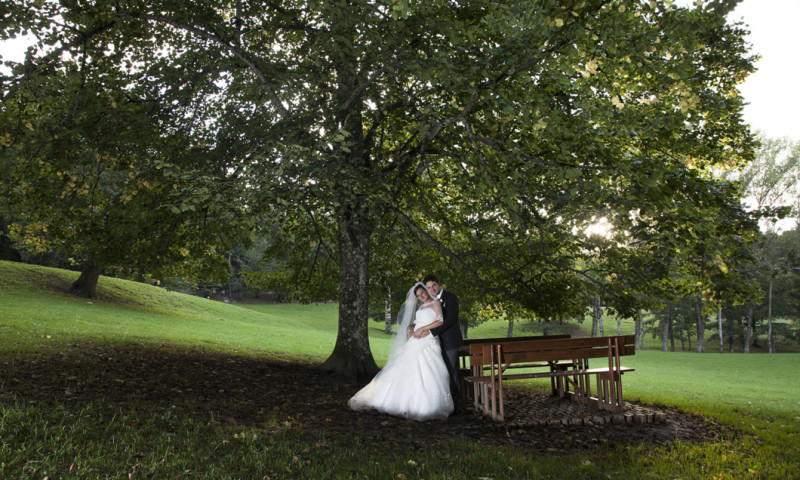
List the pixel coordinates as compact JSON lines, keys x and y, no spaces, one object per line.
{"x":252,"y":392}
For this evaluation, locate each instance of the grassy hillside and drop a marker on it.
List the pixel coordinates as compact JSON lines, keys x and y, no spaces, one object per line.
{"x":35,"y":309}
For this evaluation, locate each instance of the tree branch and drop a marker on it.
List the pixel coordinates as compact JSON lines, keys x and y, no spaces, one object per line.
{"x":233,"y":49}
{"x":421,"y":232}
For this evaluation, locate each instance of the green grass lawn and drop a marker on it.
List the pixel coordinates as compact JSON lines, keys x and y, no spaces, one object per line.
{"x":756,"y":396}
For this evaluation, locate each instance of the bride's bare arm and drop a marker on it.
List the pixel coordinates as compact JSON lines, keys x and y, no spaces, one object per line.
{"x":410,"y":329}
{"x":426,"y":330}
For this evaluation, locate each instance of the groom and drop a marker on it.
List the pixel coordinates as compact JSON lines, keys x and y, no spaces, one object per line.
{"x":449,"y":332}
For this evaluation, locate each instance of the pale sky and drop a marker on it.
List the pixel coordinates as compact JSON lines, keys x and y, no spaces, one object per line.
{"x":771,"y":92}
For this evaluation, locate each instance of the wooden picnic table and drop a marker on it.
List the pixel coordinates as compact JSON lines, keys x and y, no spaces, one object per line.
{"x":488,"y":363}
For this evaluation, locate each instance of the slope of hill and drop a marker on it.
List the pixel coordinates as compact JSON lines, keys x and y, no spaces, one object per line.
{"x":35,"y":309}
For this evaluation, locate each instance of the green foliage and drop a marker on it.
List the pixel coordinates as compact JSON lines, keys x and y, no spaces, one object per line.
{"x":474,"y":139}
{"x":88,"y":174}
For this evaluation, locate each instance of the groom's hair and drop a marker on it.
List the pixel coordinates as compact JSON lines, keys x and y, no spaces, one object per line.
{"x":431,"y":278}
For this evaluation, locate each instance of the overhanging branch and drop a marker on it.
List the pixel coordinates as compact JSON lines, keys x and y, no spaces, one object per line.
{"x":233,"y":49}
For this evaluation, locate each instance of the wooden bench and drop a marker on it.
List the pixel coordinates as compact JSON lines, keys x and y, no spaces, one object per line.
{"x":565,"y":361}
{"x":464,"y":355}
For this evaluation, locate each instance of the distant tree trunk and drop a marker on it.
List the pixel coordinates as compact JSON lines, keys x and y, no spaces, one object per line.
{"x":639,"y":338}
{"x":770,"y":340}
{"x":672,"y":335}
{"x":464,"y":329}
{"x":388,"y":312}
{"x":619,"y":325}
{"x":600,"y":323}
{"x":86,"y":284}
{"x":597,"y":318}
{"x":688,"y":338}
{"x":749,"y":330}
{"x":721,"y":338}
{"x":666,"y":327}
{"x":701,"y":325}
{"x":510,"y":332}
{"x":352,"y":358}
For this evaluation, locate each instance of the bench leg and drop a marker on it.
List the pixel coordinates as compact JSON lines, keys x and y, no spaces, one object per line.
{"x":557,"y":383}
{"x":609,"y":391}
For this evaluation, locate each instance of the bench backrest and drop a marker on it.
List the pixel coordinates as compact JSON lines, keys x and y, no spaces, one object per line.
{"x":571,"y":349}
{"x":552,"y":350}
{"x":496,"y":340}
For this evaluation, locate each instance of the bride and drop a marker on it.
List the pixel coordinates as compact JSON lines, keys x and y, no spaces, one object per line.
{"x":414,"y":383}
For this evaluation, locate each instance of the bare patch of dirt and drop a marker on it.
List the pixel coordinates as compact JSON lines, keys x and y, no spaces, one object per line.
{"x":257,"y":391}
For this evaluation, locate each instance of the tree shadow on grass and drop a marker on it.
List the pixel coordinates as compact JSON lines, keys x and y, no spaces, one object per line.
{"x":252,"y":391}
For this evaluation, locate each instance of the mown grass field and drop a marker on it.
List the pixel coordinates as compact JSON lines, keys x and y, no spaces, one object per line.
{"x":756,"y":396}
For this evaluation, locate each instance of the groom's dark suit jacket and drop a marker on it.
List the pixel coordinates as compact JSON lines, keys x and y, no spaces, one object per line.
{"x":449,"y":332}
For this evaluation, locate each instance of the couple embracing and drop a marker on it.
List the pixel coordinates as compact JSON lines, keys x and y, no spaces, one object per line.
{"x":420,"y":379}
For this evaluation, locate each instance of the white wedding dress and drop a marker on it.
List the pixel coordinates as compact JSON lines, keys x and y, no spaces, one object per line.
{"x":415,"y":384}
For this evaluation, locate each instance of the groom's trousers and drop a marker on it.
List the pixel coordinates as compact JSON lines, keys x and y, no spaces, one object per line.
{"x":451,"y":360}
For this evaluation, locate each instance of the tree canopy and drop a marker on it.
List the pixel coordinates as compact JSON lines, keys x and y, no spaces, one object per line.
{"x":475,"y":139}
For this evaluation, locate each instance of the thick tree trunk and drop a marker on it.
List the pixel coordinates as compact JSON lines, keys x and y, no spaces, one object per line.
{"x":701,"y":325}
{"x":86,"y":284}
{"x":510,"y":331}
{"x":352,"y":358}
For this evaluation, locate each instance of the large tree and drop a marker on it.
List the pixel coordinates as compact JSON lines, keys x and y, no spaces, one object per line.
{"x":486,"y":135}
{"x":88,"y":175}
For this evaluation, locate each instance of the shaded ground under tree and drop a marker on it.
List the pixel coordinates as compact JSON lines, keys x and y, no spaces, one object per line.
{"x":241,"y":390}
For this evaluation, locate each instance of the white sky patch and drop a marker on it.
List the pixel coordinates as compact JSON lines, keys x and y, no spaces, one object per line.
{"x":601,"y":227}
{"x":772,"y":97}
